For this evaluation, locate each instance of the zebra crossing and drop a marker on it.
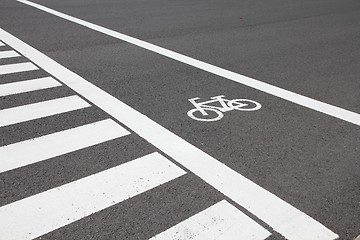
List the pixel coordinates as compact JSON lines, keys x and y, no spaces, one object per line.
{"x":8,"y":54}
{"x":209,"y":224}
{"x":17,"y":68}
{"x":55,"y":144}
{"x":60,"y":206}
{"x":28,"y":86}
{"x":42,"y":109}
{"x":47,"y":211}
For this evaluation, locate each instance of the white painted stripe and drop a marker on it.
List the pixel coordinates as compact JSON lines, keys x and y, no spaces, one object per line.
{"x":281,"y":216}
{"x":221,"y":221}
{"x":17,"y":67}
{"x":34,"y":216}
{"x":28,"y":86}
{"x":328,"y":109}
{"x":8,"y":54}
{"x":42,"y":148}
{"x":1,"y":44}
{"x":33,"y":111}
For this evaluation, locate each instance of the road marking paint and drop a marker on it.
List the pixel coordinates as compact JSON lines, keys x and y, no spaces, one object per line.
{"x":33,"y":111}
{"x":37,"y":215}
{"x":8,"y":54}
{"x":20,"y":154}
{"x":1,"y":44}
{"x":28,"y":86}
{"x":281,"y":216}
{"x":17,"y":67}
{"x":221,"y":221}
{"x":316,"y":105}
{"x":221,"y":105}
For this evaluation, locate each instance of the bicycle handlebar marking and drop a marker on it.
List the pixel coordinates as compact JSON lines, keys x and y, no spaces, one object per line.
{"x":211,"y":113}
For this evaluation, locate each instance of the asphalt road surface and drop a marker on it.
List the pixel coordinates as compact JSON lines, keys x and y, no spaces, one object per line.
{"x":191,"y":119}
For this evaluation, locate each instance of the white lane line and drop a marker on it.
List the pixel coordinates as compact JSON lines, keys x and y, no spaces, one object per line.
{"x":8,"y":54}
{"x":28,"y":86}
{"x":281,"y":216}
{"x":42,"y":148}
{"x":328,"y":109}
{"x":221,"y":221}
{"x":1,"y":44}
{"x":33,"y":111}
{"x":17,"y":67}
{"x":37,"y":215}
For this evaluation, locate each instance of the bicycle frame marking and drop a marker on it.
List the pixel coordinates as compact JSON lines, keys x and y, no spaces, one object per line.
{"x":226,"y":105}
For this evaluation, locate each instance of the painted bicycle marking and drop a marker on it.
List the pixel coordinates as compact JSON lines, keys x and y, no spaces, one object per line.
{"x":203,"y":111}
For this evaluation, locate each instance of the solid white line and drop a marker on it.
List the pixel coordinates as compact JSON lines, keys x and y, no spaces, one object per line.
{"x":8,"y":54}
{"x":221,"y":221}
{"x":34,"y":216}
{"x":281,"y":216}
{"x":250,"y":82}
{"x":1,"y":44}
{"x":17,"y":67}
{"x":42,"y":148}
{"x":33,"y":111}
{"x":28,"y":86}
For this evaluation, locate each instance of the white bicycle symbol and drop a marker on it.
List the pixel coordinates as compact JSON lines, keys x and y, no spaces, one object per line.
{"x":205,"y":112}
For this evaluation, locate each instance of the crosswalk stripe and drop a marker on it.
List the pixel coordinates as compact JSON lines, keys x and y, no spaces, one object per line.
{"x":42,"y":148}
{"x":28,"y":86}
{"x":221,"y":221}
{"x":33,"y":111}
{"x":1,"y":44}
{"x":37,"y":215}
{"x":8,"y":54}
{"x":290,"y":222}
{"x":17,"y":67}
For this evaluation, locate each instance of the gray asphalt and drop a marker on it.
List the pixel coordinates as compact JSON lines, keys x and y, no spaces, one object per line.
{"x":309,"y":159}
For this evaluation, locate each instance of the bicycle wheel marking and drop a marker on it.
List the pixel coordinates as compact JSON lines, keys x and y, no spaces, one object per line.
{"x":206,"y":112}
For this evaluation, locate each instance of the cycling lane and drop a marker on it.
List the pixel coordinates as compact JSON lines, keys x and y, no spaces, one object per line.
{"x":295,"y":153}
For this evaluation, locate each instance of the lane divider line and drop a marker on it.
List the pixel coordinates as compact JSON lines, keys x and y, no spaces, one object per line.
{"x":28,"y":86}
{"x":307,"y":102}
{"x":221,"y":221}
{"x":17,"y":67}
{"x":1,"y":44}
{"x":37,"y":110}
{"x":281,"y":216}
{"x":8,"y":54}
{"x":39,"y":214}
{"x":35,"y":150}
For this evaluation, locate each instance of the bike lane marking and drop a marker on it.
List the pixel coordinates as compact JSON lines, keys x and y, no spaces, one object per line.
{"x":308,"y":102}
{"x":226,"y":105}
{"x":278,"y":214}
